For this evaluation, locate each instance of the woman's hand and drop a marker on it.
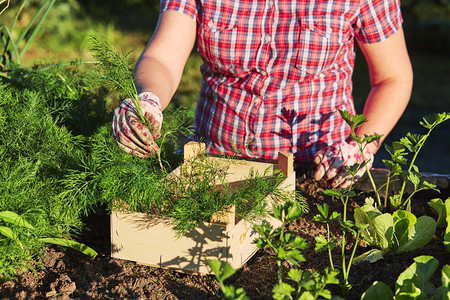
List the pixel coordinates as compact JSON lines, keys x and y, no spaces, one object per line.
{"x":130,"y":133}
{"x":332,"y":160}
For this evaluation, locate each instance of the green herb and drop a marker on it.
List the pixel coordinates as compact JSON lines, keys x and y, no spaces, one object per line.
{"x":308,"y":285}
{"x":117,"y":72}
{"x":411,"y":144}
{"x":398,"y":232}
{"x":414,"y":283}
{"x":16,"y":220}
{"x":223,"y":271}
{"x":443,"y":211}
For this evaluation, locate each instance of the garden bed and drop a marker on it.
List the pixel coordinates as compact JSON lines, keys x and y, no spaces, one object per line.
{"x":69,"y":274}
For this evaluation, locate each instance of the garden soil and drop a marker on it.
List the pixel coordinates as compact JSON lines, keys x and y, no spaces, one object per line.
{"x":67,"y":274}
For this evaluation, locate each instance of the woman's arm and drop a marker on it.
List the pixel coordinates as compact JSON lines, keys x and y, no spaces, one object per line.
{"x":391,"y":79}
{"x":160,"y":66}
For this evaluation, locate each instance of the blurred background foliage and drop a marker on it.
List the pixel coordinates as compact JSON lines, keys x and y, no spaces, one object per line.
{"x":128,"y":24}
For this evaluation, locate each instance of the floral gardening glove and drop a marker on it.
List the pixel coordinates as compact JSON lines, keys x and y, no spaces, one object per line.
{"x":130,"y":134}
{"x":331,"y":161}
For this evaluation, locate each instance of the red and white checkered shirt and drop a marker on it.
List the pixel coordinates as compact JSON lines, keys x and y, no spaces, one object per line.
{"x":276,"y":72}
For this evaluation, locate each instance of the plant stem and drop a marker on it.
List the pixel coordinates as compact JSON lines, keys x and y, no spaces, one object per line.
{"x":420,"y":143}
{"x":387,"y":189}
{"x":329,"y":250}
{"x":369,"y":174}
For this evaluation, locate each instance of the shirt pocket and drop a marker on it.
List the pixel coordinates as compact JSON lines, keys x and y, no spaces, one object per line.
{"x":318,"y":46}
{"x":217,"y":44}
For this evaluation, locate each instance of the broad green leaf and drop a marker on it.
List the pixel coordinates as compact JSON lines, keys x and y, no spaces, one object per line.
{"x":71,"y":244}
{"x":298,"y":243}
{"x":348,"y":226}
{"x":321,"y":243}
{"x":434,"y":119}
{"x":232,"y":293}
{"x":445,"y":279}
{"x":295,"y":256}
{"x":379,"y":290}
{"x":6,"y":231}
{"x":401,"y":233}
{"x":408,"y":291}
{"x":384,"y":227}
{"x":447,"y":230}
{"x":408,"y":142}
{"x":323,"y":209}
{"x":419,"y":273}
{"x":395,"y":168}
{"x":307,"y":295}
{"x":438,"y":206}
{"x":348,"y":193}
{"x":414,"y":179}
{"x":295,"y":274}
{"x":371,"y":256}
{"x":282,"y":291}
{"x":358,"y":120}
{"x":294,"y":212}
{"x":227,"y":271}
{"x":420,"y":234}
{"x":371,"y":138}
{"x":13,"y":218}
{"x":403,"y":214}
{"x":215,"y":265}
{"x":331,"y":276}
{"x":365,"y":225}
{"x":429,"y":186}
{"x":332,"y":193}
{"x":335,"y":216}
{"x":395,"y":200}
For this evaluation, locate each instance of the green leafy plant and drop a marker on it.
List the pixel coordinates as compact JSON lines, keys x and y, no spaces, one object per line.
{"x":411,"y":144}
{"x":414,"y":283}
{"x":16,"y":220}
{"x":330,"y":242}
{"x":309,"y":285}
{"x":223,"y":271}
{"x":116,"y":71}
{"x":347,"y":225}
{"x":287,"y":247}
{"x":443,"y":211}
{"x":398,"y":232}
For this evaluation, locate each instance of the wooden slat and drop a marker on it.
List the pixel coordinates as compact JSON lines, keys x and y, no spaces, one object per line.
{"x":286,"y":163}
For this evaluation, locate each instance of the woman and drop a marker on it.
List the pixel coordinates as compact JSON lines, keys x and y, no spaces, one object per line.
{"x":275,"y":74}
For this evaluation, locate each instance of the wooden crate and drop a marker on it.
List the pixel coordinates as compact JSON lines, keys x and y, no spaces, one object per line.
{"x":151,"y":241}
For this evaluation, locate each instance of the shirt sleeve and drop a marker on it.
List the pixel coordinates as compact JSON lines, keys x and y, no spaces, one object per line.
{"x":378,"y":20}
{"x":188,"y":7}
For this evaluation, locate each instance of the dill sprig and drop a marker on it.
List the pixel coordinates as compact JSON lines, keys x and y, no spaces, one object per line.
{"x":117,"y":72}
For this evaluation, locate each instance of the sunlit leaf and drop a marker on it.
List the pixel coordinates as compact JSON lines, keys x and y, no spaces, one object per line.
{"x":70,"y":244}
{"x":13,"y":218}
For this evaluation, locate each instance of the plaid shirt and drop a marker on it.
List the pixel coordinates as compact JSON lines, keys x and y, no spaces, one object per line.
{"x":276,"y":72}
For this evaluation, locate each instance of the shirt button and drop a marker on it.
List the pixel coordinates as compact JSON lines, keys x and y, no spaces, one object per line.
{"x":267,"y":38}
{"x":257,"y":100}
{"x":263,"y":73}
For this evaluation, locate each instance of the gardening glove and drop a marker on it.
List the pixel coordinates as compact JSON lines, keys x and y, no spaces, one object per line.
{"x":130,"y":133}
{"x":331,"y":161}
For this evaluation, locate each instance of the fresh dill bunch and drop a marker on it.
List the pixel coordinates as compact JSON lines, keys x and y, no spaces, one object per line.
{"x":116,"y":68}
{"x":117,"y":71}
